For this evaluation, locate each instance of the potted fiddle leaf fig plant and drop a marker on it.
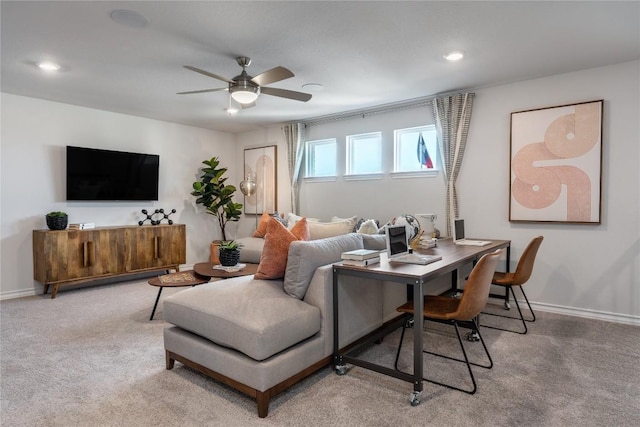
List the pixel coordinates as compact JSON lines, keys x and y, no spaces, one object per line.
{"x":212,"y":192}
{"x":229,"y":253}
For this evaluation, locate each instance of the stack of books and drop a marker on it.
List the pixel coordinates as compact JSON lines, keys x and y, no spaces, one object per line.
{"x":427,"y":242}
{"x":361,"y":257}
{"x":82,"y":226}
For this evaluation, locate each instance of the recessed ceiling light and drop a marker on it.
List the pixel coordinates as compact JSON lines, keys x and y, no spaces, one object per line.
{"x":48,"y":66}
{"x":456,"y":55}
{"x":129,"y":18}
{"x":313,"y":87}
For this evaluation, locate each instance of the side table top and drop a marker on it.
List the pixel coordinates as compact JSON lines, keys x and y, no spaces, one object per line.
{"x":174,"y":280}
{"x":206,"y":269}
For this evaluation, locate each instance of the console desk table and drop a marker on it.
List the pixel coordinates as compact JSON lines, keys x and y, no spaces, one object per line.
{"x":416,"y":276}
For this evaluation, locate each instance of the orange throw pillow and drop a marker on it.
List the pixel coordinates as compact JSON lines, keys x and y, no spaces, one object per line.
{"x":262,"y":226}
{"x":273,"y":261}
{"x":301,"y":230}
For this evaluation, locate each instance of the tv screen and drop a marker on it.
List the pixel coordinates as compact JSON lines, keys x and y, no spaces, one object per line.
{"x":94,"y":174}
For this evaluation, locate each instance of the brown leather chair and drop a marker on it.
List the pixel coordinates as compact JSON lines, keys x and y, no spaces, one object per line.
{"x":517,"y":278}
{"x":458,"y":312}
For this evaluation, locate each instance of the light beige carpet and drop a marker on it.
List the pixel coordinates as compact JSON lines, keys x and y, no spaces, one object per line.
{"x":91,"y":357}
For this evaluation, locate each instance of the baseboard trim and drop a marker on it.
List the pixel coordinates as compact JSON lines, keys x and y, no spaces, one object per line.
{"x":586,"y":313}
{"x":21,"y":293}
{"x":17,"y":294}
{"x":551,"y":308}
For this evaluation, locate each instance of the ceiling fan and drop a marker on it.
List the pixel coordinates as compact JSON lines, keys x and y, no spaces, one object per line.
{"x":245,"y":89}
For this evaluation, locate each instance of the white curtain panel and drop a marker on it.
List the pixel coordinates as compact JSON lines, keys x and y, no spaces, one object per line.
{"x":452,"y":115}
{"x":294,"y":135}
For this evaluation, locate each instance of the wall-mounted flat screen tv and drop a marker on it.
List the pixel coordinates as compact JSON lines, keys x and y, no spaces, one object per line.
{"x":106,"y":175}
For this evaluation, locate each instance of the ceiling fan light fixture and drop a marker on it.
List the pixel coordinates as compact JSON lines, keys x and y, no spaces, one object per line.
{"x":48,"y":66}
{"x":455,"y":55}
{"x":244,"y":94}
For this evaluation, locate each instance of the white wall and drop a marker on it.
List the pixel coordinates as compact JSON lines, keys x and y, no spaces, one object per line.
{"x":591,"y":270}
{"x":34,"y":135}
{"x":588,"y":270}
{"x":270,"y":136}
{"x":381,"y":199}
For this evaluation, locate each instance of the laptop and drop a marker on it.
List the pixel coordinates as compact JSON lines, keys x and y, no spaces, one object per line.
{"x":458,"y":235}
{"x":398,"y":247}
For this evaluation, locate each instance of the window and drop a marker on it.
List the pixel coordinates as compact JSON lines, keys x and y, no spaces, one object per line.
{"x":320,"y":158}
{"x":364,"y":154}
{"x":416,"y":149}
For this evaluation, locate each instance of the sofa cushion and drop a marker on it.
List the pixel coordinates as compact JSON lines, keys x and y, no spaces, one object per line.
{"x":291,"y":219}
{"x":273,"y":260}
{"x":252,"y":316}
{"x":306,"y":257}
{"x":322,"y":230}
{"x":261,"y":230}
{"x":352,"y":221}
{"x":251,"y":249}
{"x":374,"y":241}
{"x":368,"y":227}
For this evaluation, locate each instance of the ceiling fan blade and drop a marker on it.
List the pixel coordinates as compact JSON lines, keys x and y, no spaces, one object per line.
{"x":208,"y":74}
{"x":201,"y":91}
{"x":283,"y":93}
{"x":271,"y":76}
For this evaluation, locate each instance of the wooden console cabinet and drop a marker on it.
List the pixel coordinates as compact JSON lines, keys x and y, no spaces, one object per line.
{"x":72,"y":256}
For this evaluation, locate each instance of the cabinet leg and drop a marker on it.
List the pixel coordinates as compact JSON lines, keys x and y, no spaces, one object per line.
{"x":46,"y":289}
{"x":54,"y":292}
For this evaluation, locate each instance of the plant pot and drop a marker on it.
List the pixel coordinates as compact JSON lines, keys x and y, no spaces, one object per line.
{"x":215,"y":250}
{"x":57,"y":222}
{"x":229,"y":258}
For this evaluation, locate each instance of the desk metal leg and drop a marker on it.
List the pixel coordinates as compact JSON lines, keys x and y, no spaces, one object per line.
{"x":507,"y":305}
{"x":338,"y":362}
{"x":418,"y":319}
{"x":156,"y":304}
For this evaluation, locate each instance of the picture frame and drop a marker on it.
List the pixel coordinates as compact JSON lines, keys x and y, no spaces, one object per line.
{"x":262,"y":161}
{"x":556,"y":164}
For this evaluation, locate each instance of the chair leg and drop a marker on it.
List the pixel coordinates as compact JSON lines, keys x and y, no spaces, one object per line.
{"x":404,"y":328}
{"x":464,"y":352}
{"x":466,"y":360}
{"x":522,"y":319}
{"x":533,"y":319}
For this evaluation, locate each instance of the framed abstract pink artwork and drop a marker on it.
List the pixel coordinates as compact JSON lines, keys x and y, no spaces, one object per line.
{"x":556,"y":164}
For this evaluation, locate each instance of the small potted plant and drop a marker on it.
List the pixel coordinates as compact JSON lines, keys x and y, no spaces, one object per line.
{"x":229,"y":252}
{"x":57,"y":220}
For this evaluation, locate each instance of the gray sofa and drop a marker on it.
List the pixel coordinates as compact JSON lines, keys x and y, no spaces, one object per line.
{"x":262,"y":336}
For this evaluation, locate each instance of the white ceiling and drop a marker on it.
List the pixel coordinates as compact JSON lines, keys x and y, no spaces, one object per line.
{"x":365,"y":53}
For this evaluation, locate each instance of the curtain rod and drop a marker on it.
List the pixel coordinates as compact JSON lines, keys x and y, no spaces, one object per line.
{"x":384,"y":108}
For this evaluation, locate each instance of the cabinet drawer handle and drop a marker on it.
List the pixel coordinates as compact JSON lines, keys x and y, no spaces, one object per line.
{"x":92,"y":254}
{"x":156,"y":247}
{"x":88,"y":255}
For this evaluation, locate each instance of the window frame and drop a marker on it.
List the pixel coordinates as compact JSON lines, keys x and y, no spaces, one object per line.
{"x":349,"y":155}
{"x":309,"y":159}
{"x":437,"y":167}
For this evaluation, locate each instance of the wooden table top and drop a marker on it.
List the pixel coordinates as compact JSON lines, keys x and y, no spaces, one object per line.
{"x":206,"y":269}
{"x":175,"y":280}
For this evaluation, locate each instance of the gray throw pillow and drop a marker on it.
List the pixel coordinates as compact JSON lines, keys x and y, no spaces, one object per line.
{"x":306,"y":257}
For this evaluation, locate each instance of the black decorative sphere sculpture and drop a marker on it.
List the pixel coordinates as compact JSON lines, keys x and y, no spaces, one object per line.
{"x":157,"y":217}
